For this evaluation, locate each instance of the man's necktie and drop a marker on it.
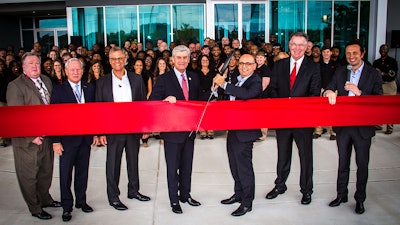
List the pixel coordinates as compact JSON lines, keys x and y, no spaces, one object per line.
{"x":293,"y":76}
{"x":77,"y":93}
{"x":43,"y":92}
{"x":184,"y":87}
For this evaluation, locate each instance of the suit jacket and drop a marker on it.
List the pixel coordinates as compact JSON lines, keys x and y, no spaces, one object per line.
{"x":168,"y":85}
{"x":104,"y":90}
{"x":370,"y":84}
{"x":250,"y":89}
{"x":63,"y":94}
{"x":22,"y":91}
{"x":307,"y":83}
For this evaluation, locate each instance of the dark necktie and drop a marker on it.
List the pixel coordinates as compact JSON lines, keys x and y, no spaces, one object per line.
{"x":293,"y":76}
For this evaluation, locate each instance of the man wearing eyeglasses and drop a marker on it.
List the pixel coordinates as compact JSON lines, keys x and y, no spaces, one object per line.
{"x":296,"y":76}
{"x":240,"y":142}
{"x":121,"y":86}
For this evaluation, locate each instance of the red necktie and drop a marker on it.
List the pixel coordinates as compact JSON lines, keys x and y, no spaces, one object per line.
{"x":184,"y":87}
{"x":293,"y":76}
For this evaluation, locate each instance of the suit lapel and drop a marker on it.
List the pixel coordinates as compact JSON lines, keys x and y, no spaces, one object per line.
{"x":131,"y":82}
{"x":177,"y":85}
{"x":109,"y":89}
{"x":363,"y":78}
{"x":30,"y":84}
{"x":300,"y":74}
{"x":69,"y":91}
{"x":191,"y":88}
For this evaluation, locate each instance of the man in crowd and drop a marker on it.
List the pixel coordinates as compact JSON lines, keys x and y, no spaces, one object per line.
{"x":74,"y":151}
{"x":178,"y":84}
{"x":363,"y":80}
{"x":388,"y":68}
{"x":33,"y":156}
{"x":121,"y":86}
{"x":240,"y":142}
{"x":296,"y":76}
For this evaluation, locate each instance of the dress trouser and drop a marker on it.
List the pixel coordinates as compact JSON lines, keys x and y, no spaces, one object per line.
{"x":303,"y":139}
{"x":34,"y":169}
{"x":240,"y":155}
{"x":346,"y":138}
{"x":78,"y":157}
{"x":115,"y":147}
{"x":389,"y":88}
{"x":179,"y":160}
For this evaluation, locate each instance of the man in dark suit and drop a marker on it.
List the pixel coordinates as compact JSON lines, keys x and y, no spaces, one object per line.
{"x":240,"y":142}
{"x":33,"y":156}
{"x":297,"y":76}
{"x":178,"y":84}
{"x":360,"y":80}
{"x":74,"y":151}
{"x":121,"y":86}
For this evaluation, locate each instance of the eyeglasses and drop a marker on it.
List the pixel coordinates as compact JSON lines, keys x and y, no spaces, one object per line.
{"x":247,"y":64}
{"x":117,"y":59}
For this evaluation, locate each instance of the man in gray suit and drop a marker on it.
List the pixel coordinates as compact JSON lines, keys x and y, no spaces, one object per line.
{"x":33,"y":156}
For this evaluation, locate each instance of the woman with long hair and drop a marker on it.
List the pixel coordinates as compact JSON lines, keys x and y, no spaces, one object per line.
{"x":95,"y":71}
{"x":58,"y":74}
{"x":160,"y":69}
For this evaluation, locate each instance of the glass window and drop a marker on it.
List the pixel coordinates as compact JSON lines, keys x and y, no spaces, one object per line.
{"x":121,"y":24}
{"x":154,"y":24}
{"x":345,"y":23}
{"x":254,"y":22}
{"x":46,"y":39}
{"x":188,"y":23}
{"x":226,"y":21}
{"x":319,"y":21}
{"x":88,"y":23}
{"x":51,"y":23}
{"x":27,"y":40}
{"x":364,"y":24}
{"x":286,"y":17}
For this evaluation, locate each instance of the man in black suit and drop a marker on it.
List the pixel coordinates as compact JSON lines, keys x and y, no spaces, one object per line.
{"x":74,"y":151}
{"x":360,"y":80}
{"x":121,"y":86}
{"x":178,"y":84}
{"x":240,"y":142}
{"x":297,"y":76}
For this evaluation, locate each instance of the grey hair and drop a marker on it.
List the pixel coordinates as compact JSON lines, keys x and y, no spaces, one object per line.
{"x":181,"y":48}
{"x":116,"y":49}
{"x":299,"y":34}
{"x":73,"y":60}
{"x":29,"y":54}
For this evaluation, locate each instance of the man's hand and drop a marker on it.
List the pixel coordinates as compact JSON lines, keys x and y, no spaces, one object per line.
{"x":145,"y":135}
{"x":103,"y":140}
{"x":331,"y":96}
{"x":170,"y":99}
{"x":37,"y":141}
{"x":353,"y":88}
{"x":96,"y":141}
{"x":58,"y":148}
{"x":218,"y":80}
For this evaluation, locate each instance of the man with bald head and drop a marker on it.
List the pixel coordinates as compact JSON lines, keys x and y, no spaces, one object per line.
{"x":240,"y":142}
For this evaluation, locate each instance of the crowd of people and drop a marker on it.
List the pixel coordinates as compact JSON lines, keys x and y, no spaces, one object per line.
{"x":188,"y":71}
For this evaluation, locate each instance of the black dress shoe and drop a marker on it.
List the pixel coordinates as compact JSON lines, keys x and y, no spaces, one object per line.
{"x":241,"y":211}
{"x":360,"y":208}
{"x":54,"y":204}
{"x":191,"y":201}
{"x":306,"y":199}
{"x":118,"y":205}
{"x":274,"y":193}
{"x":85,"y":207}
{"x":66,"y":216}
{"x":43,"y":215}
{"x":337,"y":201}
{"x":139,"y":197}
{"x":231,"y":200}
{"x":176,"y":208}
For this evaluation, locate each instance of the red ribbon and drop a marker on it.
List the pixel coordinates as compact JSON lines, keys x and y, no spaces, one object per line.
{"x":136,"y":117}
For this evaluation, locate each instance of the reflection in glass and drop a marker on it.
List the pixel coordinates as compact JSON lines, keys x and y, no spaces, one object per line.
{"x":188,"y":23}
{"x":121,"y":24}
{"x":154,"y":24}
{"x":364,"y":24}
{"x":345,"y":22}
{"x":62,"y":36}
{"x":319,"y":21}
{"x":286,"y":17}
{"x":226,"y":21}
{"x":88,"y":23}
{"x":46,"y":39}
{"x":254,"y":22}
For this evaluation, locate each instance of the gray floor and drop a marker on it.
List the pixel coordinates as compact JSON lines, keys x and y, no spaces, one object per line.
{"x":212,"y":182}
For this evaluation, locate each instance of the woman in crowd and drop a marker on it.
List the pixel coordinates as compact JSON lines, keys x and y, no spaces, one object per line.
{"x":95,"y":71}
{"x":160,"y":69}
{"x":206,"y":75}
{"x":58,"y":74}
{"x":47,"y":67}
{"x":15,"y":68}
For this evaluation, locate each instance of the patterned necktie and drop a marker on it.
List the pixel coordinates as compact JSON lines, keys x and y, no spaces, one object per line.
{"x":184,"y":87}
{"x":43,"y":92}
{"x":78,"y":93}
{"x":293,"y":76}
